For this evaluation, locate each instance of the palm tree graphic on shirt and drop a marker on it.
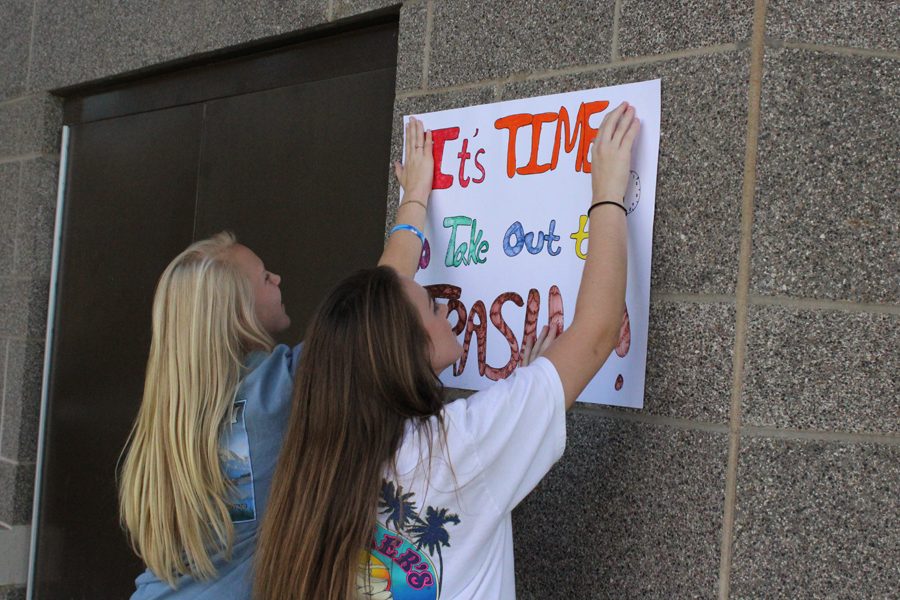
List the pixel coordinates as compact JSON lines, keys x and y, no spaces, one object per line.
{"x":399,"y":509}
{"x":432,"y":534}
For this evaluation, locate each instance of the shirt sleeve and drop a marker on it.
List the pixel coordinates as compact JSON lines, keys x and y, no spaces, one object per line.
{"x":517,"y":430}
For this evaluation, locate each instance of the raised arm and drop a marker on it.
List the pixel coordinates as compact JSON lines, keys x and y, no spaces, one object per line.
{"x":404,"y":248}
{"x":580,"y":351}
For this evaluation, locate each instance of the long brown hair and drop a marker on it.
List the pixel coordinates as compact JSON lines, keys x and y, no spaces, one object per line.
{"x":365,"y":371}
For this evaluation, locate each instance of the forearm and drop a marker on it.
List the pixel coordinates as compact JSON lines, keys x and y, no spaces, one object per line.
{"x":404,"y":248}
{"x":583,"y":348}
{"x":601,"y":297}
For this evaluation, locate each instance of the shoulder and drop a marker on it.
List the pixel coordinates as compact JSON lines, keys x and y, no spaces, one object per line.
{"x":271,"y":376}
{"x":529,"y":391}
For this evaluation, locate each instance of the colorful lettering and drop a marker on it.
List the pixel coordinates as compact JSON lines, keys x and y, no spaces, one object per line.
{"x":580,"y":237}
{"x":465,"y":253}
{"x":526,"y":240}
{"x":568,"y":136}
{"x":440,"y":137}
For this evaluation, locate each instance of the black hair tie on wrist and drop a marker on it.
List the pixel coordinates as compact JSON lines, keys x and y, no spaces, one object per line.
{"x":593,"y":206}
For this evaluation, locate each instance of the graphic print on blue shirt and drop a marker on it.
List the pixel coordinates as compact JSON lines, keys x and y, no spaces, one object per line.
{"x":235,"y":455}
{"x":397,"y":567}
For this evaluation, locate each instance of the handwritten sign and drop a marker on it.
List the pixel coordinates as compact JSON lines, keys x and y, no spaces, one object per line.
{"x":507,"y":230}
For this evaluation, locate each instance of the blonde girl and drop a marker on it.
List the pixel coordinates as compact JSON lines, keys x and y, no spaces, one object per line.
{"x":195,"y":480}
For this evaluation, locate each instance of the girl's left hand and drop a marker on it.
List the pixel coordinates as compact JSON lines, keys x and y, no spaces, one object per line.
{"x":535,"y":348}
{"x":416,"y":174}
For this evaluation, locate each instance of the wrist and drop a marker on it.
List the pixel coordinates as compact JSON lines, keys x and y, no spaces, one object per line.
{"x":619,"y":199}
{"x":414,"y":197}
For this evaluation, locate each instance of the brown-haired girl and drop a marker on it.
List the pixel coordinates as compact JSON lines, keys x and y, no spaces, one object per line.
{"x":384,"y":491}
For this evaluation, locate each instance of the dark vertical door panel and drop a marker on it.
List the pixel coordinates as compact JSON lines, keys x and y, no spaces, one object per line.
{"x":300,"y":175}
{"x":298,"y":170}
{"x":129,"y":209}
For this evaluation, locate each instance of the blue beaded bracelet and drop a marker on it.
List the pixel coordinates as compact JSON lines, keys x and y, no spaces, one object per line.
{"x":418,"y":233}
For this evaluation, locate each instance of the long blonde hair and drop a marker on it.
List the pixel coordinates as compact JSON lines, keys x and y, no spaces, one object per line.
{"x":172,"y":491}
{"x":365,"y":374}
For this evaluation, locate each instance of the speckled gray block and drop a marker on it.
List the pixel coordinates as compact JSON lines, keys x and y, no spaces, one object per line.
{"x":93,"y":39}
{"x":871,"y":24}
{"x":16,"y":493}
{"x":652,"y":27}
{"x":231,"y":22}
{"x":9,"y":200}
{"x":30,"y":125}
{"x":827,"y":211}
{"x":689,"y":361}
{"x":35,"y":217}
{"x":12,"y":592}
{"x":816,"y":520}
{"x":631,"y":511}
{"x":411,"y":45}
{"x":24,"y":303}
{"x":15,"y":37}
{"x":825,"y":370}
{"x":473,"y":40}
{"x":696,"y":232}
{"x":22,"y":400}
{"x":347,"y":8}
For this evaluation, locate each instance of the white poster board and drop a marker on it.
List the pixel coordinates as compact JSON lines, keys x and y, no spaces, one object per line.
{"x":506,"y":228}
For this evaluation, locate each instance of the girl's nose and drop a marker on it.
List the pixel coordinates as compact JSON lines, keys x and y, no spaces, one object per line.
{"x":276,"y":278}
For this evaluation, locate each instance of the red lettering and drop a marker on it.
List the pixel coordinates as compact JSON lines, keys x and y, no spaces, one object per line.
{"x":476,"y":322}
{"x":479,"y":166}
{"x":480,"y":330}
{"x":440,"y":136}
{"x":463,"y":156}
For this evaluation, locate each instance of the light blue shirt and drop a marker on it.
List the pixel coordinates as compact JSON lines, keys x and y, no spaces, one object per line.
{"x":250,"y":448}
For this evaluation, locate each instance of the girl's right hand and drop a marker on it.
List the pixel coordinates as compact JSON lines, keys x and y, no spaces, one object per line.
{"x":611,"y":154}
{"x":417,"y":171}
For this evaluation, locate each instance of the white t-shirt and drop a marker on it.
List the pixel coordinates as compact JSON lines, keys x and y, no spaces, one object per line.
{"x":447,"y":533}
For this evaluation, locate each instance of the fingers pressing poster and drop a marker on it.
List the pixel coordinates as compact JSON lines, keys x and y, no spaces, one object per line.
{"x":508,"y":232}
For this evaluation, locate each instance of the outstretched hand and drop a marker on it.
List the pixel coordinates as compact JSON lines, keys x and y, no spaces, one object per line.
{"x":611,"y":154}
{"x":536,"y":347}
{"x":417,"y":171}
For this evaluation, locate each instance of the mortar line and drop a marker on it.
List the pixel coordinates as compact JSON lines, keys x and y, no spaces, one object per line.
{"x":10,"y":461}
{"x":426,"y":51}
{"x":614,"y":49}
{"x":16,"y":100}
{"x":886,"y":439}
{"x":3,"y":391}
{"x":817,"y":304}
{"x":840,"y":50}
{"x":5,"y":526}
{"x":742,"y":292}
{"x":620,"y":414}
{"x":16,"y":207}
{"x":28,"y":69}
{"x":755,"y":431}
{"x":692,"y":298}
{"x":26,"y":157}
{"x":575,"y":70}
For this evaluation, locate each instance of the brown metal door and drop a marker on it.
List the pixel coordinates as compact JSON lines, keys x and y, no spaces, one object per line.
{"x":290,"y":150}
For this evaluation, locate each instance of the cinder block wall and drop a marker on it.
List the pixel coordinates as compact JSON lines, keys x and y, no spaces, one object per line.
{"x":767,"y":460}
